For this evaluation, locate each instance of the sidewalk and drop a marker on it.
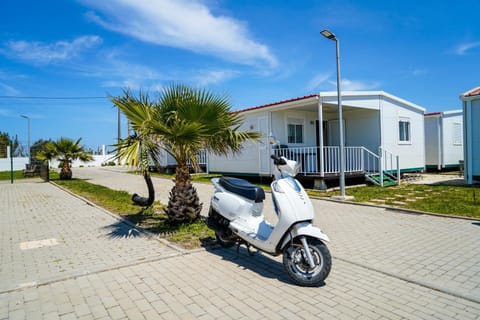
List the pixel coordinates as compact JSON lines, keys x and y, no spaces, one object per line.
{"x":440,"y":253}
{"x":385,"y":265}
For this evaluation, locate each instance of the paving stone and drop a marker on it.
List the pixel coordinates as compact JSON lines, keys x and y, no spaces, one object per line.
{"x":374,"y":250}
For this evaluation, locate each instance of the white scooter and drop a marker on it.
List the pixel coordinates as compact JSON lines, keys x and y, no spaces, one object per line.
{"x":236,"y":217}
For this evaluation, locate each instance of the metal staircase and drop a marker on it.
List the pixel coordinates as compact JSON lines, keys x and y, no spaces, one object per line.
{"x":384,"y":169}
{"x":385,"y":181}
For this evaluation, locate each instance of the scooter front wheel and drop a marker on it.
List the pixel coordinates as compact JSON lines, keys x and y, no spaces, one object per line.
{"x":296,"y":263}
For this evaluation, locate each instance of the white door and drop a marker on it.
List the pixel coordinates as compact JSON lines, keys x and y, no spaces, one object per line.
{"x":263,"y":146}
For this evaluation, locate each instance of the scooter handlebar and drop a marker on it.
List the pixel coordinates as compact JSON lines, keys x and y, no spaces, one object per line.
{"x":278,"y":160}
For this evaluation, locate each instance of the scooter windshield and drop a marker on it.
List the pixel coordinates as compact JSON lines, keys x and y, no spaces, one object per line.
{"x":294,"y":184}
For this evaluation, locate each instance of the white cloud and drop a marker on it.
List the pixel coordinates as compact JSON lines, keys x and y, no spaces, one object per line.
{"x":213,"y":77}
{"x":356,"y":85}
{"x":5,"y":112}
{"x":463,"y":48}
{"x":120,"y":74}
{"x":317,"y":81}
{"x":185,"y":24}
{"x":45,"y":53}
{"x":8,"y":90}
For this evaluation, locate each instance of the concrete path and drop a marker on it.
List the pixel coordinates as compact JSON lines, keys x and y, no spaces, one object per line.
{"x":64,"y":259}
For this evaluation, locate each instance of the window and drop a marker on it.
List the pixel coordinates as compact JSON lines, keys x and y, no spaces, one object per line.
{"x":457,"y":134}
{"x":295,"y":130}
{"x":404,"y":130}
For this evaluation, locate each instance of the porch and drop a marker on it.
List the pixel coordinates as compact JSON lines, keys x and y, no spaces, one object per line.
{"x":323,"y":162}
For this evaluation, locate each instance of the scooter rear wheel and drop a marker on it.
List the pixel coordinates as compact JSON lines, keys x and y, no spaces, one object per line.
{"x":297,"y":267}
{"x":226,"y":242}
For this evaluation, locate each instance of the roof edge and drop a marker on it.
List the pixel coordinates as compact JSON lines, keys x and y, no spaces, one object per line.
{"x":443,"y":113}
{"x":471,"y":93}
{"x":334,"y":94}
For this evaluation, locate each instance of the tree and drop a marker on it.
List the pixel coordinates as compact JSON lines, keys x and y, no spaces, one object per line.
{"x":18,"y":149}
{"x":65,"y":150}
{"x":4,"y":142}
{"x":182,"y":121}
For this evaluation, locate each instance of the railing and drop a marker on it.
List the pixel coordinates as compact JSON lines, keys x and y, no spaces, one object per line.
{"x":357,"y":159}
{"x":202,"y":157}
{"x":389,"y":164}
{"x":202,"y":161}
{"x":311,"y":163}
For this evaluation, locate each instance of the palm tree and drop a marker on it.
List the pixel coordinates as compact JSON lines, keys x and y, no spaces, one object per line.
{"x":182,"y":121}
{"x":65,"y":150}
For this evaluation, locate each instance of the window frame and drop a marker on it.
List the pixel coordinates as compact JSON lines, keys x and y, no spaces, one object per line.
{"x":408,"y":132}
{"x":296,"y":121}
{"x":457,"y":134}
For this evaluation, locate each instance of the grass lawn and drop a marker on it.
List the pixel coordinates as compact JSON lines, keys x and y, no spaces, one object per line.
{"x":444,"y":199}
{"x":153,"y":219}
{"x":17,"y":174}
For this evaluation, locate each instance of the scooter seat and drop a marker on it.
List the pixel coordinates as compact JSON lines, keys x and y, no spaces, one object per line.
{"x":243,"y":188}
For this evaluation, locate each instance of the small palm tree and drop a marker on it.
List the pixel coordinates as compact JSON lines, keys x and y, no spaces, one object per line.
{"x":65,"y":150}
{"x":139,"y":147}
{"x":182,"y":121}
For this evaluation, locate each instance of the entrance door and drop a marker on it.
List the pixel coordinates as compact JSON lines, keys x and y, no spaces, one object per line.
{"x":263,"y":147}
{"x":324,"y":133}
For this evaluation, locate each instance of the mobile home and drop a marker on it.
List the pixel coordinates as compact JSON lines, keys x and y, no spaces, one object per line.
{"x":383,"y":137}
{"x":443,"y":140}
{"x":471,"y":134}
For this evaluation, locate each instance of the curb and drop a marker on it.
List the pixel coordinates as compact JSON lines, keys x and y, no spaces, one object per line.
{"x":150,"y":234}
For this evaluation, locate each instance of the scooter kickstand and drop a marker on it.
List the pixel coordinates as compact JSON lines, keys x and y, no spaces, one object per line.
{"x":238,"y":250}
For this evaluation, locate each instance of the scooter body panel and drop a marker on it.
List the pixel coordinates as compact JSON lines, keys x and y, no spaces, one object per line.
{"x":232,"y":206}
{"x":292,"y":205}
{"x":304,"y":229}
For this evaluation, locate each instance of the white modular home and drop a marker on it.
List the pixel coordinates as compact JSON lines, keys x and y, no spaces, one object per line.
{"x":383,"y":137}
{"x":471,"y":134}
{"x":166,"y":163}
{"x":443,"y":140}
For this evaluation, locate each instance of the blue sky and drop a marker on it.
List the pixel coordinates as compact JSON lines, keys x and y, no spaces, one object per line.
{"x":257,"y":52}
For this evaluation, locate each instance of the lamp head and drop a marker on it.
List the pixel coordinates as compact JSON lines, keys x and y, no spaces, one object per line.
{"x":327,"y":34}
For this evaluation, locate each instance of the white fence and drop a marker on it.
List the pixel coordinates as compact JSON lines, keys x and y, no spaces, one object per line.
{"x":20,"y":163}
{"x":357,"y":159}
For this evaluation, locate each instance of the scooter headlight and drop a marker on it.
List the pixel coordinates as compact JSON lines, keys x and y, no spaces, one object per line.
{"x":276,"y":187}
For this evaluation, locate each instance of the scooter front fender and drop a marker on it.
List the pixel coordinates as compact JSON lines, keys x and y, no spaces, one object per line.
{"x":303,"y":229}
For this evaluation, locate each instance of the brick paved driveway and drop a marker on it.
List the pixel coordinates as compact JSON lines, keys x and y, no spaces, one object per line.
{"x":97,"y":269}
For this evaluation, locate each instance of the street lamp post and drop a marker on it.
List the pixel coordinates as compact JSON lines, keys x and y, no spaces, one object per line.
{"x":329,"y":35}
{"x":28,"y":128}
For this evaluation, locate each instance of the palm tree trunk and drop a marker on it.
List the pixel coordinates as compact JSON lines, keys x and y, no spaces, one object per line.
{"x":184,"y":205}
{"x":66,"y":172}
{"x":142,"y":201}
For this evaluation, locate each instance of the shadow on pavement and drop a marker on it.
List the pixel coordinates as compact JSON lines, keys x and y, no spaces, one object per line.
{"x":122,"y":230}
{"x":476,"y":224}
{"x":260,"y":263}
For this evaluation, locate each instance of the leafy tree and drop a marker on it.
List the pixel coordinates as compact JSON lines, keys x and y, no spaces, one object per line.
{"x":4,"y":142}
{"x":182,"y":121}
{"x":65,"y":150}
{"x":18,"y":149}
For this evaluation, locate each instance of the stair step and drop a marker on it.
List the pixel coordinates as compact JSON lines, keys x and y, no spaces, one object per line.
{"x":387,"y":179}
